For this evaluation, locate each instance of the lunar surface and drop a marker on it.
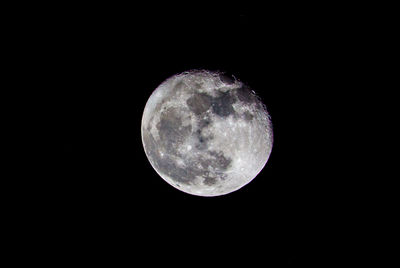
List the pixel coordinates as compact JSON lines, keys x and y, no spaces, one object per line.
{"x":206,"y":133}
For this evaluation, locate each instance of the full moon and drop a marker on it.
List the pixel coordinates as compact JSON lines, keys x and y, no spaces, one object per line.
{"x":206,"y":133}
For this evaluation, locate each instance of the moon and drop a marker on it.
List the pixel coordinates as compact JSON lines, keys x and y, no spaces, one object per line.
{"x":206,"y":133}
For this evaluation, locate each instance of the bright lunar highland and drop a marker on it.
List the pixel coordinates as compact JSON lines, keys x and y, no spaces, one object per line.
{"x":206,"y":133}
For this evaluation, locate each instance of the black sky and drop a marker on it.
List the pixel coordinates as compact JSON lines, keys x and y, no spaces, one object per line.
{"x":103,"y":198}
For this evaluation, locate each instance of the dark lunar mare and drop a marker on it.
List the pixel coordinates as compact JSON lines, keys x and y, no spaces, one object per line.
{"x":222,"y":105}
{"x":168,"y":165}
{"x":199,"y":103}
{"x":201,"y":139}
{"x":172,"y":134}
{"x":171,"y":131}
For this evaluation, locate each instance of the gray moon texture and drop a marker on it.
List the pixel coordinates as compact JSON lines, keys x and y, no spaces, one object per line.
{"x":206,"y":133}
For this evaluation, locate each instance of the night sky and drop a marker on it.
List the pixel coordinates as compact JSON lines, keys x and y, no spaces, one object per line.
{"x":104,"y":201}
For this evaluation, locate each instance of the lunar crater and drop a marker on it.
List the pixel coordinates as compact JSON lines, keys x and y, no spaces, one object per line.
{"x":226,"y":79}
